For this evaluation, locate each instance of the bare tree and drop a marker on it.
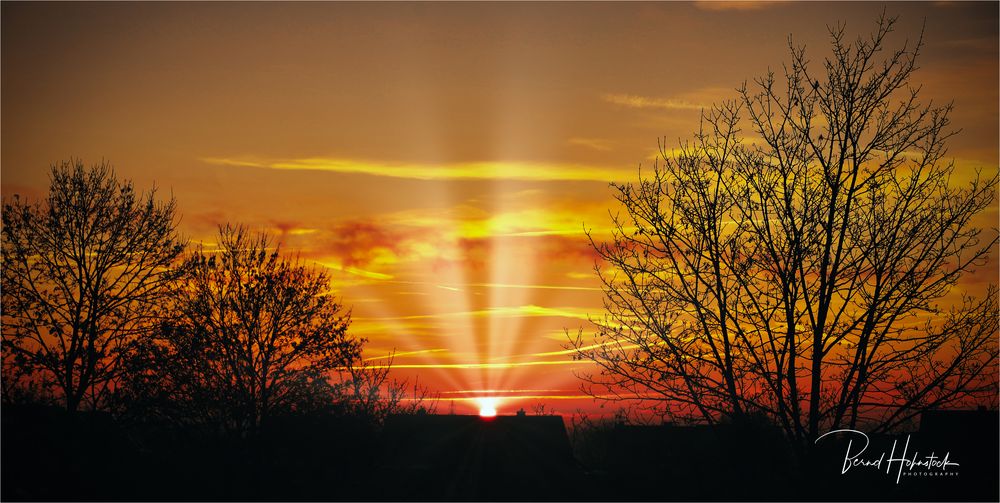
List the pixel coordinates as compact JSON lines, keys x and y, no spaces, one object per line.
{"x":798,"y":260}
{"x":83,"y":273}
{"x":367,"y":390}
{"x":251,"y":333}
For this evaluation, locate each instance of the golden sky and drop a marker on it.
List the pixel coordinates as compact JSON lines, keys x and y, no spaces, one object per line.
{"x":440,"y":159}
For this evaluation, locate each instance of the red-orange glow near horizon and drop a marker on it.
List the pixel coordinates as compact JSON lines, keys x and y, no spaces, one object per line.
{"x":443,"y":178}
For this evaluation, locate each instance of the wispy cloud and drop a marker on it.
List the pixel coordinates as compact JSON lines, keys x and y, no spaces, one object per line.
{"x":355,"y":271}
{"x":980,"y":44}
{"x":636,"y":101}
{"x":591,"y":143}
{"x":501,"y":391}
{"x":516,"y":397}
{"x":405,"y":353}
{"x":514,"y":170}
{"x":622,"y":345}
{"x":536,"y":287}
{"x":508,"y":311}
{"x":739,"y":5}
{"x":573,"y":351}
{"x":384,"y":244}
{"x":486,"y":366}
{"x":464,"y":286}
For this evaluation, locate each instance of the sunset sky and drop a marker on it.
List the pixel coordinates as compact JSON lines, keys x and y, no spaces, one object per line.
{"x":440,"y":160}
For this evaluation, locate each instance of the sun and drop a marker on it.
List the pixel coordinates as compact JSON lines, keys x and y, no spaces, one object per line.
{"x":487,"y":407}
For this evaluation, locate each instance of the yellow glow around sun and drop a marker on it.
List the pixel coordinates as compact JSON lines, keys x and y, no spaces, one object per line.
{"x":487,"y":406}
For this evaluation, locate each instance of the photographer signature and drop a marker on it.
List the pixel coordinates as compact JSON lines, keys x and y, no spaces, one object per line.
{"x":853,"y":459}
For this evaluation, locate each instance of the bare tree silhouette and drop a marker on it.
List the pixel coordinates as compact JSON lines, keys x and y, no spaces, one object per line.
{"x":83,"y":273}
{"x":798,"y":260}
{"x":252,"y":332}
{"x":367,"y":390}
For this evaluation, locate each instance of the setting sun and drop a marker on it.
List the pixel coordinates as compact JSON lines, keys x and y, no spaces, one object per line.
{"x":487,"y":407}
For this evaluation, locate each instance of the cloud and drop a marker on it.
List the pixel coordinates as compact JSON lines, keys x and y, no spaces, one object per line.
{"x":484,"y":365}
{"x":505,"y":311}
{"x":986,"y":45}
{"x":573,"y":249}
{"x":465,"y":286}
{"x":723,"y":5}
{"x":467,"y":238}
{"x":591,"y":143}
{"x":362,"y":242}
{"x":535,"y":287}
{"x":491,"y":170}
{"x":502,"y":391}
{"x":355,"y":271}
{"x":476,"y":253}
{"x":621,"y":345}
{"x":284,"y":229}
{"x":636,"y":101}
{"x":515,"y":396}
{"x":405,"y":353}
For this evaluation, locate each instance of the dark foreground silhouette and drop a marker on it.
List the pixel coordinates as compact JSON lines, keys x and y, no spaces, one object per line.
{"x":474,"y":458}
{"x":49,"y":454}
{"x":737,"y":462}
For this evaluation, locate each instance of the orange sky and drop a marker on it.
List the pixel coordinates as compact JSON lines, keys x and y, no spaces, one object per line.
{"x":440,"y":159}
